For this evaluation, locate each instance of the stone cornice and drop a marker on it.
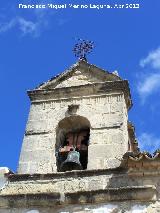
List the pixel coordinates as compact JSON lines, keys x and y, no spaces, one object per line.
{"x":84,"y":90}
{"x":68,"y":174}
{"x":139,"y":193}
{"x":79,"y":187}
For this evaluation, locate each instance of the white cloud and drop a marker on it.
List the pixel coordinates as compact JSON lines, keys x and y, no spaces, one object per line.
{"x":148,"y":85}
{"x":25,"y":26}
{"x":153,"y":59}
{"x":149,"y":78}
{"x":28,"y":27}
{"x":148,"y":142}
{"x":7,"y":25}
{"x":38,"y":20}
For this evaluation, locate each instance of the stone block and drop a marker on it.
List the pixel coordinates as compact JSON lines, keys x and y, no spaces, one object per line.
{"x":98,"y":155}
{"x":37,"y":126}
{"x":23,"y":167}
{"x":37,"y":155}
{"x":117,"y":108}
{"x":112,"y":163}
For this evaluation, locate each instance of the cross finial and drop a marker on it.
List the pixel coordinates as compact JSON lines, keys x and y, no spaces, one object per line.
{"x":82,"y":48}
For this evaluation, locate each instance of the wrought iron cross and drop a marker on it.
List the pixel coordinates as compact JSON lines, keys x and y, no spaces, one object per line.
{"x":82,"y":48}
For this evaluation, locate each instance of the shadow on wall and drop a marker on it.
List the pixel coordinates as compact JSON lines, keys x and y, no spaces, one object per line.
{"x":72,"y":141}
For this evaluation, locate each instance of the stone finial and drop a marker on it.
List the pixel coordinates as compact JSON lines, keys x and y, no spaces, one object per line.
{"x":115,"y":73}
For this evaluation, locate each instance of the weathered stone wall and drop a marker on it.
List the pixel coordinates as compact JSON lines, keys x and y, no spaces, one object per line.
{"x":93,"y":191}
{"x":113,"y":182}
{"x":107,"y":115}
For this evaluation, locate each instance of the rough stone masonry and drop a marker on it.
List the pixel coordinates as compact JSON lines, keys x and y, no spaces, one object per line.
{"x":86,"y":109}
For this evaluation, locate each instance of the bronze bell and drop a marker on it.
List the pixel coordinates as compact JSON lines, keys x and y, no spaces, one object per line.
{"x":72,"y":162}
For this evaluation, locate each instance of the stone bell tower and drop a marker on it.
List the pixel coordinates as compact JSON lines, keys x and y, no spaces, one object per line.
{"x":84,"y":109}
{"x":79,"y":153}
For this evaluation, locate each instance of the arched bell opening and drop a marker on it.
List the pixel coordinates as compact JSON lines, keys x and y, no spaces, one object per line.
{"x":72,"y":140}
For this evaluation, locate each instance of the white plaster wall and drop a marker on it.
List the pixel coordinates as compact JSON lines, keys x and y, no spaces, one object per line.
{"x":3,"y":179}
{"x":123,"y":207}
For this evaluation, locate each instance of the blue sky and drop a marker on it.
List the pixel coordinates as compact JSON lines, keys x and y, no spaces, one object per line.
{"x":36,"y":44}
